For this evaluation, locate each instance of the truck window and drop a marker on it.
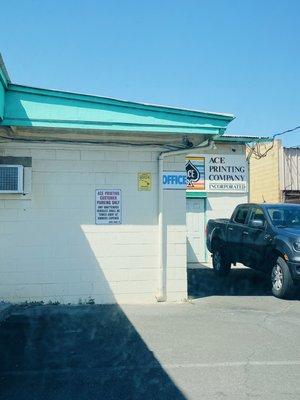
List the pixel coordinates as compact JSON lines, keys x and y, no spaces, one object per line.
{"x":256,"y":214}
{"x":284,"y":215}
{"x":241,"y":215}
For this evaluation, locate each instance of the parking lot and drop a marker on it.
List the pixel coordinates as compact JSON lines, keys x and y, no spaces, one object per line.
{"x":241,"y":281}
{"x":231,"y":340}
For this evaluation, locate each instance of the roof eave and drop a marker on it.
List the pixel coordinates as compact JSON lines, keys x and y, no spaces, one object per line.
{"x":243,"y":139}
{"x":4,"y":77}
{"x":26,"y":106}
{"x":125,"y":103}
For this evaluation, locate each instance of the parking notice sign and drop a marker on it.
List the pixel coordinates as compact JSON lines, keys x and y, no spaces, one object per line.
{"x":108,"y":206}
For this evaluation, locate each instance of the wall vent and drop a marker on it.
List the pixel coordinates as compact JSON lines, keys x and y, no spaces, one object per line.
{"x":11,"y":178}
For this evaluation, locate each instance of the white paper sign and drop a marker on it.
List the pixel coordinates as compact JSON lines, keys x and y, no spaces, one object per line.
{"x":108,"y":206}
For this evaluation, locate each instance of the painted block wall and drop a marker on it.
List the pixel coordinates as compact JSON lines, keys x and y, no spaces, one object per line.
{"x":50,"y":247}
{"x":265,"y":175}
{"x":221,"y":205}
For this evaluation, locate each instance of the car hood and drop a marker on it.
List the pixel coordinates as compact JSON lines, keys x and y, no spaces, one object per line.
{"x":294,"y":232}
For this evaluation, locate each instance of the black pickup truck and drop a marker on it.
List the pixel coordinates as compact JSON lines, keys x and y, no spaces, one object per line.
{"x":265,"y":237}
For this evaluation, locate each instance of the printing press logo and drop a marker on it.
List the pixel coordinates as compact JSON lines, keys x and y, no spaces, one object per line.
{"x":195,"y":173}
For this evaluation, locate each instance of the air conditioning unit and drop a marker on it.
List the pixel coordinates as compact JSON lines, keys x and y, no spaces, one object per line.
{"x":11,"y":178}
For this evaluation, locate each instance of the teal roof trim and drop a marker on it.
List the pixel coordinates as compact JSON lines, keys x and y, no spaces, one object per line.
{"x":195,"y":195}
{"x":120,"y":103}
{"x":242,"y":139}
{"x":2,"y":100}
{"x":4,"y":79}
{"x":27,"y":106}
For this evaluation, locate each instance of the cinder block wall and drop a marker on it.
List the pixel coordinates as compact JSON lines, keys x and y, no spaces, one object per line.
{"x":264,"y":175}
{"x":50,"y":247}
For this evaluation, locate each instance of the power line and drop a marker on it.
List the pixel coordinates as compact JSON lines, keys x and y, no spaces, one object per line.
{"x":255,"y":149}
{"x":287,"y":131}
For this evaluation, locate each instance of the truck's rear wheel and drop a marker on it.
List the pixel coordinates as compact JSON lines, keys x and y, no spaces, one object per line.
{"x":282,"y":282}
{"x":220,"y":264}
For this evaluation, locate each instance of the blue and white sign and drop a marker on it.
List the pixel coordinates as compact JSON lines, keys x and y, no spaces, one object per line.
{"x":108,"y":206}
{"x":174,"y":180}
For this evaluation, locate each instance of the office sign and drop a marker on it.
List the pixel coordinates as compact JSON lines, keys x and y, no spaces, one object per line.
{"x":174,"y":180}
{"x":108,"y":206}
{"x":217,"y":173}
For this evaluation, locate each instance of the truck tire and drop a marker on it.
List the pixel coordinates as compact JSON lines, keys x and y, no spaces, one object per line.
{"x":281,"y":279}
{"x":220,"y":265}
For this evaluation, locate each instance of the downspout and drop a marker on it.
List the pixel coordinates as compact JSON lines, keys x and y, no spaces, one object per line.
{"x":248,"y":157}
{"x":162,"y":270}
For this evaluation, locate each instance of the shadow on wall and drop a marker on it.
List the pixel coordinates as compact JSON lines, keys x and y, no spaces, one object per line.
{"x":192,"y":257}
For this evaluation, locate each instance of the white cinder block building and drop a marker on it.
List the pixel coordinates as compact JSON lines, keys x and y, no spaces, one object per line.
{"x":86,"y":208}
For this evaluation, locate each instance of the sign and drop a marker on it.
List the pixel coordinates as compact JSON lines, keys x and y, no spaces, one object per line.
{"x":108,"y":206}
{"x":144,"y":181}
{"x":174,"y":180}
{"x":217,"y":173}
{"x":195,"y":173}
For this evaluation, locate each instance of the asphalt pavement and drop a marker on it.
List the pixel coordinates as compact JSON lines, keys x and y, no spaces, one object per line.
{"x":222,"y":344}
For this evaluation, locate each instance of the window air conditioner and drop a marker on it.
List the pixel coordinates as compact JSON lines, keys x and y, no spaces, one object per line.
{"x":11,"y":178}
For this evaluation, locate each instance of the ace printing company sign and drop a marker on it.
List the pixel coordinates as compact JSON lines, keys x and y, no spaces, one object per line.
{"x":210,"y":173}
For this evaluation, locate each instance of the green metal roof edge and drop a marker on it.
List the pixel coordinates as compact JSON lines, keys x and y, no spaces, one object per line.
{"x":20,"y":111}
{"x":106,"y":126}
{"x":120,"y":103}
{"x":4,"y":77}
{"x":242,"y":139}
{"x":195,"y":195}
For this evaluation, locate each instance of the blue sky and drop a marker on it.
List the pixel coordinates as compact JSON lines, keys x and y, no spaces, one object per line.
{"x":241,"y":57}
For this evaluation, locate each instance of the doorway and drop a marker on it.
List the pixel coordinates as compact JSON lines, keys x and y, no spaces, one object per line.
{"x":195,"y":223}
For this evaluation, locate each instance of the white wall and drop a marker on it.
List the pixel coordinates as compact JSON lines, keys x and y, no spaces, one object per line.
{"x":221,"y":205}
{"x":50,"y":247}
